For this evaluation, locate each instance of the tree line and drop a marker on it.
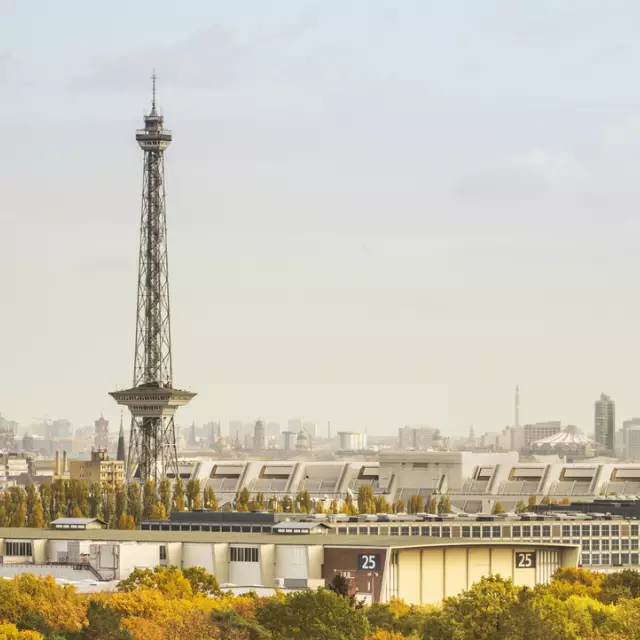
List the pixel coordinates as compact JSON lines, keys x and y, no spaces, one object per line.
{"x":168,"y":604}
{"x":124,"y":506}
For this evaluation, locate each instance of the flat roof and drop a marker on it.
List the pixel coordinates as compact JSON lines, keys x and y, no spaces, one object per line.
{"x":158,"y":537}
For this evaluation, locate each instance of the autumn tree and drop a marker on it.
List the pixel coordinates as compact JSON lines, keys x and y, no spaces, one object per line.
{"x":521,"y":507}
{"x":193,"y":494}
{"x":36,"y":519}
{"x":366,"y":503}
{"x":108,"y":508}
{"x":45,"y":499}
{"x":415,"y":503}
{"x":444,"y":504}
{"x":209,"y":499}
{"x":381,"y":505}
{"x":121,"y":503}
{"x":497,"y":508}
{"x":158,"y":512}
{"x":149,"y":498}
{"x":134,"y":503}
{"x":179,"y":502}
{"x":164,"y":494}
{"x":169,"y":581}
{"x":303,"y":500}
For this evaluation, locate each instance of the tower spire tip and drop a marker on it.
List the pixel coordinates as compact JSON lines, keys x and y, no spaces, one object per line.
{"x":154,"y":78}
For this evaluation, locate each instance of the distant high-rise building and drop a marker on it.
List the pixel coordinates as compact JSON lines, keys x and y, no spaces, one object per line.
{"x":540,"y":430}
{"x":259,"y":436}
{"x":101,"y":433}
{"x":419,"y":438}
{"x":193,"y":439}
{"x":632,"y":442}
{"x":212,"y":430}
{"x":289,"y":440}
{"x":605,"y":422}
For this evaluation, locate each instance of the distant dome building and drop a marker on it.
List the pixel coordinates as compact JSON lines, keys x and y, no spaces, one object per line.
{"x":570,"y":439}
{"x":302,"y":442}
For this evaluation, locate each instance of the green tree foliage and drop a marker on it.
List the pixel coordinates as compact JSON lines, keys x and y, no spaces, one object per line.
{"x":313,"y":615}
{"x":232,"y":626}
{"x":432,"y":504}
{"x":531,"y":502}
{"x":134,"y":502}
{"x":121,"y":504}
{"x":108,"y":508}
{"x":149,"y":498}
{"x":201,"y":581}
{"x":620,"y":585}
{"x":103,"y":623}
{"x":521,"y":507}
{"x":484,"y":611}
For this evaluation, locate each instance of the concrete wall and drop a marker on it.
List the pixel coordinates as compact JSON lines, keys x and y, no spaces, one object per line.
{"x":138,"y":555}
{"x":198,"y":555}
{"x":244,"y":573}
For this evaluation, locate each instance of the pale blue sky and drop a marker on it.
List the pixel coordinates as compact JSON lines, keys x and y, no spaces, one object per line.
{"x":379,"y":212}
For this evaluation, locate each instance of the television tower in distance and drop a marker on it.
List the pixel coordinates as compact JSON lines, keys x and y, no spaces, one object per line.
{"x":152,"y":400}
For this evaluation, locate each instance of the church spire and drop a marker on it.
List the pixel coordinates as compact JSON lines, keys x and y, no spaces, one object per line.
{"x":121,"y":449}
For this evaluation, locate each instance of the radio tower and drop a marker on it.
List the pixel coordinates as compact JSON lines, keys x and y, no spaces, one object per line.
{"x":152,"y":400}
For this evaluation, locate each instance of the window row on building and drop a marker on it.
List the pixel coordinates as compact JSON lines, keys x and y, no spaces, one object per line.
{"x":18,"y":548}
{"x":608,"y":559}
{"x":243,"y":554}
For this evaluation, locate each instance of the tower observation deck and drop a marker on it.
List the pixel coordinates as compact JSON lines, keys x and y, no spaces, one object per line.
{"x":152,"y":400}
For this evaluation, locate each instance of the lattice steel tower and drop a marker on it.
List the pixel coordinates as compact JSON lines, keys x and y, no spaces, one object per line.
{"x":152,"y":400}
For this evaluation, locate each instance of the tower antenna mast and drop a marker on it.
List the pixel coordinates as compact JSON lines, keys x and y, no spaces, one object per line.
{"x":153,"y":400}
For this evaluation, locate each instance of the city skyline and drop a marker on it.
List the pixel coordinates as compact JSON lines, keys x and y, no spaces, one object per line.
{"x":369,"y":225}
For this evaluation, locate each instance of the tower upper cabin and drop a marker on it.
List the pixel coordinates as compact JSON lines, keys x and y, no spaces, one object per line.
{"x":154,"y":137}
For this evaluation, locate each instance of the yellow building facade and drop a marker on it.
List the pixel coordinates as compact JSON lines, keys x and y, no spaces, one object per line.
{"x":99,"y":469}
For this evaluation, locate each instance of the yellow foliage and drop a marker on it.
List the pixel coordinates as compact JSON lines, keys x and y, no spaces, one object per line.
{"x":9,"y":631}
{"x":142,"y":629}
{"x":399,"y":607}
{"x":386,"y":635}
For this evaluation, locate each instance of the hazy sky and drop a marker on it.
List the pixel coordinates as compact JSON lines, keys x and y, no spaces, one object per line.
{"x":380,"y":212}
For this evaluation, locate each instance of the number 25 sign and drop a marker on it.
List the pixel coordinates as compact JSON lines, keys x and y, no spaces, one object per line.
{"x":368,"y":562}
{"x":525,"y":559}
